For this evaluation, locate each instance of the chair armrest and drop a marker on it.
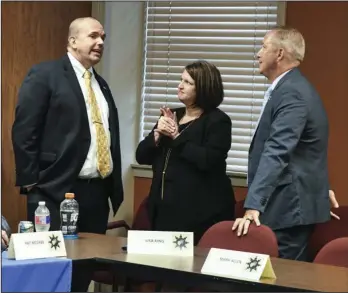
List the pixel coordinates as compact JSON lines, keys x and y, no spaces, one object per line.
{"x":118,"y":224}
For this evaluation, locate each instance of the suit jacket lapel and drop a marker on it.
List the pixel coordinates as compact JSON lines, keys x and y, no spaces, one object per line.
{"x":112,"y":108}
{"x":290,"y":74}
{"x":74,"y":83}
{"x":103,"y":88}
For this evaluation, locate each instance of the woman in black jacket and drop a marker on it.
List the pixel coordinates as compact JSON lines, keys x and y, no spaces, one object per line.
{"x":187,"y":149}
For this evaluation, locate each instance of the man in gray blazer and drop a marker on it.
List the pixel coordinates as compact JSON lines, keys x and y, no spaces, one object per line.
{"x":288,"y":170}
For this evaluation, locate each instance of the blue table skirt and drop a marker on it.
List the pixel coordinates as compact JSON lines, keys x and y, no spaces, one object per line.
{"x":36,"y":275}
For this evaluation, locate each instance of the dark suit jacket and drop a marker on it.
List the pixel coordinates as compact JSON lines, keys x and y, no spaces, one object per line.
{"x":196,"y":188}
{"x":50,"y":134}
{"x":288,"y":168}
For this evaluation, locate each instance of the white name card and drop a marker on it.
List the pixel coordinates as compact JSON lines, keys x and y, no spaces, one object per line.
{"x":36,"y":245}
{"x":238,"y":264}
{"x":160,"y":243}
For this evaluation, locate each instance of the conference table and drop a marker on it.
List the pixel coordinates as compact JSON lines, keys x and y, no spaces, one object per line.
{"x":104,"y":252}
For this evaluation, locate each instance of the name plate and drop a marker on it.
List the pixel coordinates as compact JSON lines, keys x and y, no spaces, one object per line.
{"x":36,"y":245}
{"x":238,"y":265}
{"x":160,"y":243}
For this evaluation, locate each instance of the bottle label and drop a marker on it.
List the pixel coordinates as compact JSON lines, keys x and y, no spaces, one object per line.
{"x":68,"y":222}
{"x":42,"y":220}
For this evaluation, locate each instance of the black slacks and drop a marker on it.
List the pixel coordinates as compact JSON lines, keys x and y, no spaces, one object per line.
{"x":293,"y":242}
{"x":92,"y":197}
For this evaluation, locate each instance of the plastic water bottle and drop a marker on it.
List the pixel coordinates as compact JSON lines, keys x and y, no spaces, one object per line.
{"x":69,"y":214}
{"x":42,"y":218}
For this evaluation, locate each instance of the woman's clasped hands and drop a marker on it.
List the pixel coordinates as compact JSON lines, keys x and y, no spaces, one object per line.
{"x":167,"y":124}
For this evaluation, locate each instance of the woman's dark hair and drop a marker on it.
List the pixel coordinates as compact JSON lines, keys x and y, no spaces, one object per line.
{"x":208,"y":82}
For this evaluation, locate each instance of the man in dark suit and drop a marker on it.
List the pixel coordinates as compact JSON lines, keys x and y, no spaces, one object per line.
{"x":288,"y":170}
{"x":66,"y":133}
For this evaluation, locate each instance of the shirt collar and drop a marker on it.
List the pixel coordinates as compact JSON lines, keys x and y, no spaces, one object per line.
{"x":275,"y":82}
{"x":78,"y":67}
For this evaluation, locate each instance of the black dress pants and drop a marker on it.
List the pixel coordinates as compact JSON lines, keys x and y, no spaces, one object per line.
{"x":293,"y":242}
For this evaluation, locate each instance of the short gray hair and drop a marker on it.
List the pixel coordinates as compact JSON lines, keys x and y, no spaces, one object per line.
{"x":291,"y":40}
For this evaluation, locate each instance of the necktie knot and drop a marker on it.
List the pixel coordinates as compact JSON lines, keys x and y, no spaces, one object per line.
{"x":87,"y":74}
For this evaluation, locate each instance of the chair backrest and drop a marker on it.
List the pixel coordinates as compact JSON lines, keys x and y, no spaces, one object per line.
{"x":141,"y":219}
{"x":258,"y":240}
{"x":325,"y":232}
{"x":334,"y":253}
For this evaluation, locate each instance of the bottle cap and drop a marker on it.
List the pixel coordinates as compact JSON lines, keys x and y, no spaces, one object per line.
{"x":69,"y":195}
{"x":42,"y":203}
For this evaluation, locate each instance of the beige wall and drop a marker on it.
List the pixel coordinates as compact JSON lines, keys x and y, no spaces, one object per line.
{"x":121,"y":67}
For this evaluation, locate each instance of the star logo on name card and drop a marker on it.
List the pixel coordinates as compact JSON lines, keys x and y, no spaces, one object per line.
{"x":253,"y":264}
{"x":54,"y":242}
{"x":180,"y":242}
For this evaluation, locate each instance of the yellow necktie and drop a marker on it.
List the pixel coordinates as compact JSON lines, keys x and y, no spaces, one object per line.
{"x":103,"y":151}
